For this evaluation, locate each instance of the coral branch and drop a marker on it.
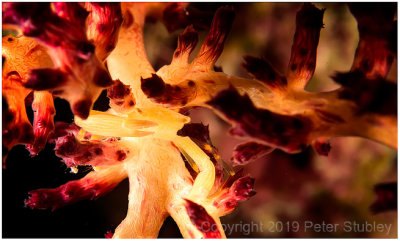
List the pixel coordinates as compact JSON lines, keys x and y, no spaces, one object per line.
{"x":92,"y":186}
{"x":290,"y":133}
{"x":304,"y":49}
{"x":343,"y":112}
{"x":128,"y":62}
{"x":43,"y":123}
{"x":20,"y":55}
{"x":264,"y":72}
{"x":63,"y":129}
{"x":156,"y":174}
{"x":228,"y":199}
{"x":378,"y":37}
{"x":94,"y":153}
{"x":16,"y":128}
{"x":372,"y":95}
{"x":187,"y":41}
{"x":170,"y":95}
{"x":121,"y":97}
{"x":103,"y":25}
{"x":73,"y":13}
{"x":214,"y":43}
{"x":202,"y":220}
{"x":63,"y":33}
{"x":249,"y":152}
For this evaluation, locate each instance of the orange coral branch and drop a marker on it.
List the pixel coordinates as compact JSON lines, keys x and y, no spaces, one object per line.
{"x":344,"y":112}
{"x":92,"y":186}
{"x":43,"y":123}
{"x":103,"y":25}
{"x":21,"y":55}
{"x":304,"y":49}
{"x":130,"y":51}
{"x":80,"y":74}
